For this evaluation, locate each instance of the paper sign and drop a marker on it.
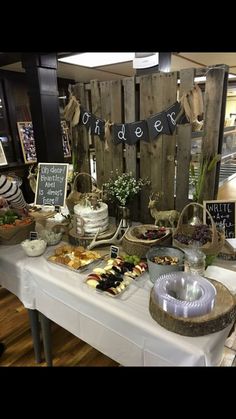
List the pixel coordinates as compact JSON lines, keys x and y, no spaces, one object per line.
{"x":114,"y":251}
{"x":33,"y":235}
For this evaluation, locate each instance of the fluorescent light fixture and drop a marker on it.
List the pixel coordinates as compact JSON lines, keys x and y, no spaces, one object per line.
{"x":97,"y":59}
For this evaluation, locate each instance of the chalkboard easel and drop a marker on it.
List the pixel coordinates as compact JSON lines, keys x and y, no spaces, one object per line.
{"x":51,"y":184}
{"x":223,"y":214}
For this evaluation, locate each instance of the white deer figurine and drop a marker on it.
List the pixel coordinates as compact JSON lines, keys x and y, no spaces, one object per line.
{"x":171,"y":216}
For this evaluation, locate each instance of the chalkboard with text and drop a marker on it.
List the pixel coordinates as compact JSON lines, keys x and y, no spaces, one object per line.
{"x":223,"y":214}
{"x":51,"y":184}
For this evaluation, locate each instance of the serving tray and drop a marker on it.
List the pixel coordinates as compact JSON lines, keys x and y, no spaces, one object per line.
{"x":86,"y":264}
{"x":115,"y":281}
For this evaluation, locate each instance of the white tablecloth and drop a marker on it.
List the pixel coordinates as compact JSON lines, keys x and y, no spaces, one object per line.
{"x":122,"y":328}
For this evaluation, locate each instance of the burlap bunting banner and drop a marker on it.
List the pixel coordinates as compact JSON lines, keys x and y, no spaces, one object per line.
{"x":161,"y":123}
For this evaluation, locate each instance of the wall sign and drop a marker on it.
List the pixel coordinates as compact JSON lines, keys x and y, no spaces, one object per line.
{"x":223,"y":214}
{"x":26,"y":134}
{"x":51,"y":184}
{"x":65,"y":139}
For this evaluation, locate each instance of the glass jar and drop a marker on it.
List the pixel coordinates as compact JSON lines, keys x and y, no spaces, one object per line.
{"x":195,"y":262}
{"x":123,"y":213}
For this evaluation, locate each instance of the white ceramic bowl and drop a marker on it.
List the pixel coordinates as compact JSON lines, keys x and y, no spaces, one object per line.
{"x":34,"y":247}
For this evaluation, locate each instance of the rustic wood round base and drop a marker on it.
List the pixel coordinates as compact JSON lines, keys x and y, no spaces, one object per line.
{"x":77,"y":240}
{"x":227,"y":254}
{"x":222,"y":315}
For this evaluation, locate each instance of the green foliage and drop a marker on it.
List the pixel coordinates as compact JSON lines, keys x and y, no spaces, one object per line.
{"x":198,"y":179}
{"x":209,"y":260}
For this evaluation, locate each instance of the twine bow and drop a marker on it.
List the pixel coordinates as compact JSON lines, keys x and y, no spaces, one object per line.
{"x":72,"y":110}
{"x":108,"y":125}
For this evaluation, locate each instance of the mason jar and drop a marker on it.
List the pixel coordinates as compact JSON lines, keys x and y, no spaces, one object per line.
{"x":195,"y":261}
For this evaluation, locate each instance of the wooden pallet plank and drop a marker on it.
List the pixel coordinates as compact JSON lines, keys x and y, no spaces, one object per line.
{"x":184,"y":133}
{"x":131,"y":150}
{"x":214,"y":104}
{"x":169,"y":86}
{"x":116,"y":150}
{"x":129,"y":108}
{"x":149,"y":151}
{"x":106,"y":115}
{"x":183,"y":163}
{"x":81,"y":137}
{"x":101,"y":153}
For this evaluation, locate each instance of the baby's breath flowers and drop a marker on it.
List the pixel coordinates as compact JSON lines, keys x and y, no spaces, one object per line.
{"x":121,"y":188}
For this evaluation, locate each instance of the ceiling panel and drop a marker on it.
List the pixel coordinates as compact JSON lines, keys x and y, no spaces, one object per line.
{"x":212,"y":58}
{"x":116,"y":71}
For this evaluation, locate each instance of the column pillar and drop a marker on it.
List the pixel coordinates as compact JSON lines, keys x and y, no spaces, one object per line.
{"x":41,"y":75}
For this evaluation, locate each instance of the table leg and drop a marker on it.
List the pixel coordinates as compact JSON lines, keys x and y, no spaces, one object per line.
{"x":47,"y":341}
{"x":35,"y":331}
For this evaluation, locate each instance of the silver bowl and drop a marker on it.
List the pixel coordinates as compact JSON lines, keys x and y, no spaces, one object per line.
{"x":156,"y":270}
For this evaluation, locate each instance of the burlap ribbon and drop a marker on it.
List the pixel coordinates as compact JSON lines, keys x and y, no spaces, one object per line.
{"x":192,"y":103}
{"x":107,"y":136}
{"x":72,"y":111}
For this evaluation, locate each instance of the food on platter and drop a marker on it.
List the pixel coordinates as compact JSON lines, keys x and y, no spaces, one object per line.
{"x":165,"y":260}
{"x":74,"y":257}
{"x":151,"y":234}
{"x":116,"y":275}
{"x":201,"y":233}
{"x":11,"y":219}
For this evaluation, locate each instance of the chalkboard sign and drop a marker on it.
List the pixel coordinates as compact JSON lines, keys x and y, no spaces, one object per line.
{"x":223,"y":214}
{"x":51,"y":184}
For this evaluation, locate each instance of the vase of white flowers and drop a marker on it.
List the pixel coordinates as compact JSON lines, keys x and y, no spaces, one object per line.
{"x":123,"y":213}
{"x":120,"y":189}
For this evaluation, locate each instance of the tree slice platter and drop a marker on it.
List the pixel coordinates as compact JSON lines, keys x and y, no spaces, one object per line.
{"x":77,"y":240}
{"x":227,"y":253}
{"x":222,"y":315}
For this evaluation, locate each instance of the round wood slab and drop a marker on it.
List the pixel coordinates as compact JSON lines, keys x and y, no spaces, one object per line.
{"x":222,"y":315}
{"x":78,"y":240}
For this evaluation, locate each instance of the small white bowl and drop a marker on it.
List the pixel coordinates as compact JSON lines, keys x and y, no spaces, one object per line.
{"x":34,"y":247}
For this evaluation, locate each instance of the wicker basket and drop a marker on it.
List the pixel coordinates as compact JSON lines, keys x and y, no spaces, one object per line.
{"x":16,"y":234}
{"x":132,"y":245}
{"x":212,"y":247}
{"x":75,"y":196}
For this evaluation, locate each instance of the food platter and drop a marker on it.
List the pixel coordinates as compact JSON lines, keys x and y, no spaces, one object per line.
{"x":115,"y":276}
{"x":76,"y":259}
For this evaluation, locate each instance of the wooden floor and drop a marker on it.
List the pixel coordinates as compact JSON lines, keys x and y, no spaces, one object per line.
{"x":15,"y":333}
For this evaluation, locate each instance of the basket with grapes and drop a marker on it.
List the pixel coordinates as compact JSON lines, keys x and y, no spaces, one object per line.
{"x":138,"y":239}
{"x":205,"y":237}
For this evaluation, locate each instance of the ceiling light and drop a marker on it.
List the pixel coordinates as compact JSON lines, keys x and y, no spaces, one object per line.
{"x":97,"y":59}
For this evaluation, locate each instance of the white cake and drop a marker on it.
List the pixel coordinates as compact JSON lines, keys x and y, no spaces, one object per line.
{"x":93,"y":219}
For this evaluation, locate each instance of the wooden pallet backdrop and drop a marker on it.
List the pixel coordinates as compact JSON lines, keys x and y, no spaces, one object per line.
{"x":165,"y":161}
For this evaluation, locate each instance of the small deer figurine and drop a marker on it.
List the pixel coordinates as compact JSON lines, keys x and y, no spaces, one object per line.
{"x":171,"y":216}
{"x":32,"y":176}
